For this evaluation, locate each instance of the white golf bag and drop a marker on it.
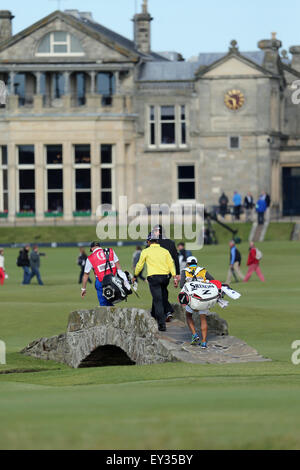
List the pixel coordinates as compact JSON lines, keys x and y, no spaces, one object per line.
{"x":199,"y":295}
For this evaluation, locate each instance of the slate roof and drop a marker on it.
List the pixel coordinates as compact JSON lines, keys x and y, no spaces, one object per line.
{"x":185,"y":70}
{"x":116,"y":37}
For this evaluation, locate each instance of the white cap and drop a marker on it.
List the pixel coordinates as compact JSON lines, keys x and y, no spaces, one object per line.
{"x":192,"y":259}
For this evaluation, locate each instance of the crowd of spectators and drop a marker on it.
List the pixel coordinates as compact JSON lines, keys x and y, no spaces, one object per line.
{"x":248,"y":205}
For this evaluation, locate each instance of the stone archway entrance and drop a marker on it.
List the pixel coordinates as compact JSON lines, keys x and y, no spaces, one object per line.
{"x":107,"y":355}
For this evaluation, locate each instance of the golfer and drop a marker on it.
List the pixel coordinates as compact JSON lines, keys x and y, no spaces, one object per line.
{"x":159,"y":266}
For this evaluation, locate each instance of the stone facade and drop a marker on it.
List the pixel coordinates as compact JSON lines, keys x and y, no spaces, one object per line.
{"x":192,"y":128}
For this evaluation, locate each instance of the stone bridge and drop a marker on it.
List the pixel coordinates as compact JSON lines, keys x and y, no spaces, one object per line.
{"x":126,"y":336}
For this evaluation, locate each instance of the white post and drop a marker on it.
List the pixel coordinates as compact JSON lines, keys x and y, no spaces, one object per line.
{"x":2,"y":353}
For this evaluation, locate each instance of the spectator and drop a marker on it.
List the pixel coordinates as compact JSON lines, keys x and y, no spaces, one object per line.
{"x":248,"y":205}
{"x":23,"y":261}
{"x":169,"y":245}
{"x":159,"y":266}
{"x":97,"y":261}
{"x":261,"y":207}
{"x":268,"y":203}
{"x":135,"y":259}
{"x":253,"y":263}
{"x":237,"y":202}
{"x":2,"y":268}
{"x":81,"y":260}
{"x":183,"y":254}
{"x":234,"y":263}
{"x":223,"y":202}
{"x":35,"y":264}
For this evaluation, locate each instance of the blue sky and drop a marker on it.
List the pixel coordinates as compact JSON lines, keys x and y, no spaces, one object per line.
{"x":187,"y":26}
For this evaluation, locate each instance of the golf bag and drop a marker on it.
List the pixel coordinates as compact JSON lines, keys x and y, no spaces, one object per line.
{"x":116,"y":288}
{"x":199,"y":295}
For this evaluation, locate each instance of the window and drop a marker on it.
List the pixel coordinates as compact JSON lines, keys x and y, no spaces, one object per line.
{"x":26,"y":155}
{"x":182,"y":125}
{"x":186,"y":181}
{"x":58,"y":43}
{"x":79,"y":81}
{"x":82,"y":154}
{"x":82,"y":167}
{"x":105,"y":85}
{"x":3,"y":179}
{"x":26,"y":178}
{"x":167,"y":126}
{"x":234,"y":142}
{"x":152,"y":125}
{"x":106,"y":155}
{"x":24,"y":86}
{"x":54,"y":170}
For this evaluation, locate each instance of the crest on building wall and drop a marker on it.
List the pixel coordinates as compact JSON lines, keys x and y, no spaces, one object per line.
{"x":3,"y":93}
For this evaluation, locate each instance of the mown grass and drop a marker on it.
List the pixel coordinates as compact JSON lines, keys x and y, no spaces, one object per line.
{"x":163,"y":406}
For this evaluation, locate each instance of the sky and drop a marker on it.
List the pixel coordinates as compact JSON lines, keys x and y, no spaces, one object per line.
{"x":185,"y":26}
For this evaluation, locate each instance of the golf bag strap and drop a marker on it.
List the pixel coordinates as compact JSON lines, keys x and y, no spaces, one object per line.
{"x":107,"y":264}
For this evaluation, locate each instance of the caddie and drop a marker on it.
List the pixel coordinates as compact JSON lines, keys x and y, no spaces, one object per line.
{"x":98,"y":262}
{"x":193,"y":272}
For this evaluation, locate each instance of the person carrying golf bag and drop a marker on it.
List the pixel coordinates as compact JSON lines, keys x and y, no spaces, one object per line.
{"x":112,"y":284}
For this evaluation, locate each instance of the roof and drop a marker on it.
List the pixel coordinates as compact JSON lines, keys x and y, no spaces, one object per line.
{"x":115,"y":37}
{"x":185,"y":70}
{"x":86,"y":24}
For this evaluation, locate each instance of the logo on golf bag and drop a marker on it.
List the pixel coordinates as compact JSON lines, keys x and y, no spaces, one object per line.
{"x":199,"y":296}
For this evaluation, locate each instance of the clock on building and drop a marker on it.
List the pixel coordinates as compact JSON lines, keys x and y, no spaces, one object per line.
{"x":234,"y":99}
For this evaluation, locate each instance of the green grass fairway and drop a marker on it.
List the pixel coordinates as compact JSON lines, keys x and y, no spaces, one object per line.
{"x":166,"y":406}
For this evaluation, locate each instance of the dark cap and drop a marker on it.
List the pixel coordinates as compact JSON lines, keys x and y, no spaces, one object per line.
{"x":93,"y":244}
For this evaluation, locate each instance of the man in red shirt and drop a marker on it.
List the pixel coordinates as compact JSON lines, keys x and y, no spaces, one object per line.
{"x":97,"y":262}
{"x":253,"y":264}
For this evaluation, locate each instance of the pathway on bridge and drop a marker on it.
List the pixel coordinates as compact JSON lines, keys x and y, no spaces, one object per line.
{"x":221,"y":349}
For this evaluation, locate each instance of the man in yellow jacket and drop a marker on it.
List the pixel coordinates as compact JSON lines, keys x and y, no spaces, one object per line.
{"x":159,"y":265}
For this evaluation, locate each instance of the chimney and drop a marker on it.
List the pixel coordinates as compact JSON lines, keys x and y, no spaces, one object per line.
{"x":5,"y":25}
{"x":86,"y":15}
{"x":142,"y":29}
{"x":295,"y":51}
{"x":270,"y":48}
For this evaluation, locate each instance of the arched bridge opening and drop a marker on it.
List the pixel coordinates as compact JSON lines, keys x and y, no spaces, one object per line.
{"x":107,"y":355}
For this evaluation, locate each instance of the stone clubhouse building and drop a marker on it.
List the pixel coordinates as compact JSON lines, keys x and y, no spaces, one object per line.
{"x":91,"y":115}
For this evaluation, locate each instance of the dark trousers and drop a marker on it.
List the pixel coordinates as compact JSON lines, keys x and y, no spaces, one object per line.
{"x":261,"y":218}
{"x":167,"y":306}
{"x":237,"y":211}
{"x":36,"y":272}
{"x":158,"y":285}
{"x":27,"y":275}
{"x":81,"y":276}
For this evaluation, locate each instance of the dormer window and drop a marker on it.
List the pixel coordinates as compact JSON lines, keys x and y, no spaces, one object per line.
{"x":59,"y":43}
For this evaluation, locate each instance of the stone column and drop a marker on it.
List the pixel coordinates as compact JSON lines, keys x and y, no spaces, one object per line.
{"x":12,"y":180}
{"x":11,"y":83}
{"x":68,"y":179}
{"x":120,"y":172}
{"x":95,"y":178}
{"x":117,"y":82}
{"x":40,"y":187}
{"x":67,"y":83}
{"x":93,"y":82}
{"x":130,"y":189}
{"x":38,"y":83}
